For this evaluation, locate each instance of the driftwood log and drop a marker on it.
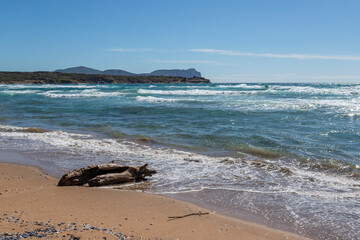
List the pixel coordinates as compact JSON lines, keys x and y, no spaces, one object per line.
{"x":105,"y":174}
{"x":187,"y":215}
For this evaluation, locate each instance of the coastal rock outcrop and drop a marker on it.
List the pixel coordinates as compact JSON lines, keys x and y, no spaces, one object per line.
{"x":105,"y":174}
{"x":77,"y":78}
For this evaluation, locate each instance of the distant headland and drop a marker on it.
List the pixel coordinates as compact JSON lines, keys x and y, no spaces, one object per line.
{"x":82,"y":75}
{"x":188,"y":73}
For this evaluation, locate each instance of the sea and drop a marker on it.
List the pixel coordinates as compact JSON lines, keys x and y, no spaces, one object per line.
{"x":283,"y":155}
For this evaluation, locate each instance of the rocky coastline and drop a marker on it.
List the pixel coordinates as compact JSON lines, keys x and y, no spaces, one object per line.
{"x":75,"y":78}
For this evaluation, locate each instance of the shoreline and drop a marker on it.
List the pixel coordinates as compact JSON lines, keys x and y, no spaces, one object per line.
{"x":19,"y":158}
{"x":35,"y":195}
{"x":83,"y":78}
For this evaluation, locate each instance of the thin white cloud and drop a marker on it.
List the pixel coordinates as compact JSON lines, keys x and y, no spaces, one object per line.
{"x":272,"y":55}
{"x":192,"y":62}
{"x":131,"y":49}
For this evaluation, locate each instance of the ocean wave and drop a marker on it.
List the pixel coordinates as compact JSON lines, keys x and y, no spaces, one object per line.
{"x":12,"y":92}
{"x":325,"y":195}
{"x":243,"y":85}
{"x":197,"y":86}
{"x":344,"y":90}
{"x":45,"y":86}
{"x":152,"y":99}
{"x":194,"y":92}
{"x":246,"y":89}
{"x":87,"y":93}
{"x":6,"y":128}
{"x":351,"y":115}
{"x":345,"y":108}
{"x":157,"y":99}
{"x":176,"y":165}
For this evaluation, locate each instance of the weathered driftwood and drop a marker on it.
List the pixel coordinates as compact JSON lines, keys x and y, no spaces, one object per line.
{"x":105,"y":174}
{"x":111,"y":178}
{"x":187,"y":215}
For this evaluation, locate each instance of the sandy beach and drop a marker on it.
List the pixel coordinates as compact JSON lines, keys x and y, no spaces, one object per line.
{"x":32,"y":205}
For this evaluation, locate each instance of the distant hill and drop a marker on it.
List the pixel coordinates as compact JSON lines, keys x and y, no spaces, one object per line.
{"x":80,"y":69}
{"x":117,"y":72}
{"x":189,"y":73}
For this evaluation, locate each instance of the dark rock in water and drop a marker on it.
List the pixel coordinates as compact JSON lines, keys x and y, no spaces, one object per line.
{"x":105,"y":174}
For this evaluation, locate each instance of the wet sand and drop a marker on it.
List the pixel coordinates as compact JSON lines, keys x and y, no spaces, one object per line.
{"x":32,"y":205}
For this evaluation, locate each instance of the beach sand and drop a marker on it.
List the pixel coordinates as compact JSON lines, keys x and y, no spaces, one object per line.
{"x":32,"y":204}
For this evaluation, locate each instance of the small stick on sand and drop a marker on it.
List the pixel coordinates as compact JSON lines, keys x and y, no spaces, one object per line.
{"x":187,"y":215}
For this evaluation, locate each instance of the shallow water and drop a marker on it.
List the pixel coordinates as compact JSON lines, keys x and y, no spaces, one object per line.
{"x":287,"y":153}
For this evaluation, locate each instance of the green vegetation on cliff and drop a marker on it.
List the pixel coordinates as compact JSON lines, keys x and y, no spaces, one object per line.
{"x":74,"y":78}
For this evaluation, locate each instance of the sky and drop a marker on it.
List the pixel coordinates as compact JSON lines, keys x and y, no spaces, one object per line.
{"x":227,"y":41}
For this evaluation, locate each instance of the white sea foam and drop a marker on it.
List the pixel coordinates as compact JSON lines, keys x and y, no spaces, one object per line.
{"x":326,"y":195}
{"x":348,"y":107}
{"x":45,"y":86}
{"x":198,"y":90}
{"x":157,"y":99}
{"x":189,"y":86}
{"x":79,"y":94}
{"x":194,"y":92}
{"x":7,"y":128}
{"x":352,"y":114}
{"x":181,"y":166}
{"x":152,"y":99}
{"x":344,"y":90}
{"x":243,"y":85}
{"x":12,"y":92}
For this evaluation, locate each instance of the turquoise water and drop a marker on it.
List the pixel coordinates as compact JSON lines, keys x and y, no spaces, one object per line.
{"x":251,"y":147}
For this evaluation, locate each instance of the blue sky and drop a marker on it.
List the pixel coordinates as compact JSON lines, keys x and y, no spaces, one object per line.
{"x":228,"y":41}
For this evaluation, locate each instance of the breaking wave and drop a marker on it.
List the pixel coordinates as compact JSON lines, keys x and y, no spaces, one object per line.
{"x":343,"y":90}
{"x":198,"y":166}
{"x":157,"y":99}
{"x":88,"y":93}
{"x":192,"y":92}
{"x":243,"y":86}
